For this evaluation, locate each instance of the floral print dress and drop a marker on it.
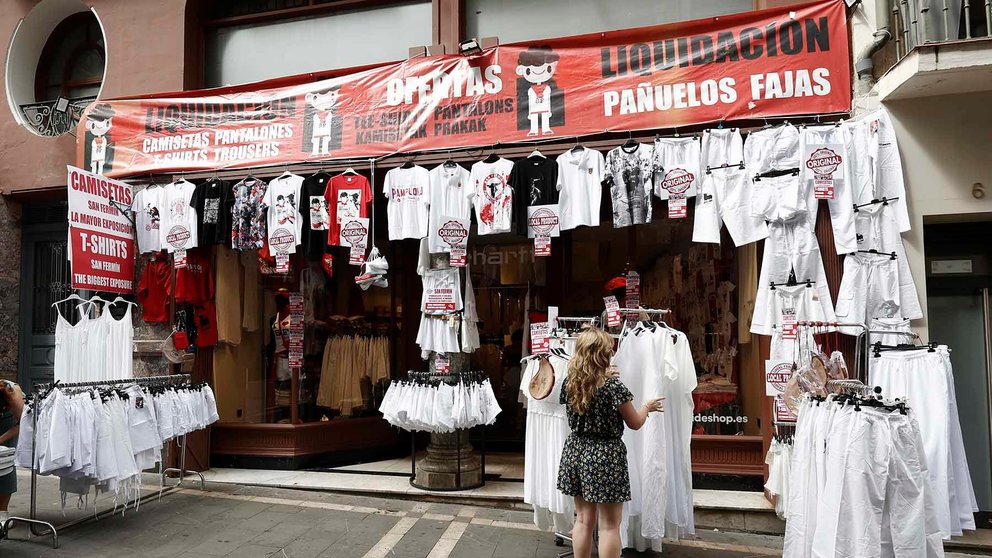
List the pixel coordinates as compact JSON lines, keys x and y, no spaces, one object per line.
{"x":594,"y":461}
{"x":248,"y":229}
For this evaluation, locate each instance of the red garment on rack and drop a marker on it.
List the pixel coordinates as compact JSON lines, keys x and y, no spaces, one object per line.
{"x":153,"y":289}
{"x":195,"y":282}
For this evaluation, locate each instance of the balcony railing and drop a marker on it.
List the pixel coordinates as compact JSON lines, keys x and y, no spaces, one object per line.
{"x":48,"y":121}
{"x":918,"y":22}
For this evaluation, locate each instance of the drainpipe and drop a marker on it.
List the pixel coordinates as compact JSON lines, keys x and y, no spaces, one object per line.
{"x":883,"y":33}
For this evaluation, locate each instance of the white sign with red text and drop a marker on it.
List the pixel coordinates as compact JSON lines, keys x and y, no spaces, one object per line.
{"x":101,"y":236}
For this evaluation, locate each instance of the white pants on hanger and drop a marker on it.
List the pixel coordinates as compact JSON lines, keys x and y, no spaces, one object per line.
{"x":790,"y":246}
{"x":836,"y":138}
{"x":878,"y":230}
{"x":869,"y":289}
{"x":771,"y":149}
{"x":672,"y":155}
{"x":877,"y":166}
{"x":721,"y":146}
{"x":725,"y":196}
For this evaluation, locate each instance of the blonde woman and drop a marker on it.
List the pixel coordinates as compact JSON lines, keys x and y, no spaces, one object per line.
{"x":594,"y":462}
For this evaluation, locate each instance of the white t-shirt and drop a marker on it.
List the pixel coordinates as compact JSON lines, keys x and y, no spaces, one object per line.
{"x":178,"y":224}
{"x":493,"y":196}
{"x":147,"y":209}
{"x":408,"y":193}
{"x":282,"y":200}
{"x":451,"y":196}
{"x":580,"y":183}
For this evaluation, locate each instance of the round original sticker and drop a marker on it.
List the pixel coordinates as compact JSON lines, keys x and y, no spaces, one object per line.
{"x":354,"y":232}
{"x":779,"y":376}
{"x":824,"y":161}
{"x":178,"y":236}
{"x":453,"y":233}
{"x":677,"y":181}
{"x":282,"y":240}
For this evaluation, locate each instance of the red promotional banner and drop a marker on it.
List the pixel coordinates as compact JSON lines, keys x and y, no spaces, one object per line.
{"x":101,"y":237}
{"x":785,"y":61}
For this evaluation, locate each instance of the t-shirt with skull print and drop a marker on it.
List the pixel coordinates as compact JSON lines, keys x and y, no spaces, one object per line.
{"x":628,"y":174}
{"x":535,"y":182}
{"x":212,"y":201}
{"x":493,"y":195}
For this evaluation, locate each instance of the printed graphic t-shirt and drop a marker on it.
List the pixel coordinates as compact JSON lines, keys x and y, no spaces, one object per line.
{"x":534,"y":181}
{"x":629,"y":177}
{"x":407,"y":190}
{"x":212,"y":202}
{"x":282,"y":203}
{"x":451,"y":196}
{"x":315,"y":215}
{"x":247,"y":216}
{"x":493,"y":195}
{"x":147,"y":209}
{"x":348,"y":195}
{"x":178,"y":228}
{"x":580,"y":185}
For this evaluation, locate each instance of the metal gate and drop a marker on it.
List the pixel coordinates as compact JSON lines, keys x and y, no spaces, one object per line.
{"x":45,"y":279}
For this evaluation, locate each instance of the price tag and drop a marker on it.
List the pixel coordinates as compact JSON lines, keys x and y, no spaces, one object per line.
{"x":282,"y":263}
{"x":782,"y":411}
{"x":542,"y":245}
{"x":612,"y":311}
{"x":357,"y":254}
{"x":539,"y":343}
{"x":790,"y":330}
{"x":295,"y":330}
{"x":676,"y":206}
{"x":179,"y":258}
{"x":777,"y":375}
{"x":442,"y":365}
{"x":457,"y":257}
{"x":823,"y":188}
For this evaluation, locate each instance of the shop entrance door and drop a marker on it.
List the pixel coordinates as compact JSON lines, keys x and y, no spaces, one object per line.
{"x":45,"y":279}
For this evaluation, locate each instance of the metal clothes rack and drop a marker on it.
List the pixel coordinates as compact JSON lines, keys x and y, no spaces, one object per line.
{"x":32,"y":520}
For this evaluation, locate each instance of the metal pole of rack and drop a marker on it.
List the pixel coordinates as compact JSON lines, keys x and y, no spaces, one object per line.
{"x":32,"y":520}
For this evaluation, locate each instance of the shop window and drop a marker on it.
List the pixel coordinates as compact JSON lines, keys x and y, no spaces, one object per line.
{"x":286,"y":43}
{"x":513,"y":21}
{"x":72,"y":61}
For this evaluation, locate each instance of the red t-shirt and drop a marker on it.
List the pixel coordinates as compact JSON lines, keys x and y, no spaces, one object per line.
{"x":347,"y":195}
{"x":195,"y":282}
{"x":153,"y":288}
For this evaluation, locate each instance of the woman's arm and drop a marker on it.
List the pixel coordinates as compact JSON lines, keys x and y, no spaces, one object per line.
{"x":15,"y":401}
{"x":635,"y":418}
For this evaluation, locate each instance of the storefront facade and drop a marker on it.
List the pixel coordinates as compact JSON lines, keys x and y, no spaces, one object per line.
{"x":200,"y":44}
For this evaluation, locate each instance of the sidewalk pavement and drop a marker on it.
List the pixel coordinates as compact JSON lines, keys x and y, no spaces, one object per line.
{"x":249,"y":522}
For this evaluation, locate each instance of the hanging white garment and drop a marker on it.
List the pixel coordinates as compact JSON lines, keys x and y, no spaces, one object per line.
{"x":470,"y":317}
{"x":877,"y":166}
{"x":119,"y":345}
{"x":878,"y":230}
{"x":827,"y":156}
{"x":547,"y":429}
{"x":771,"y":149}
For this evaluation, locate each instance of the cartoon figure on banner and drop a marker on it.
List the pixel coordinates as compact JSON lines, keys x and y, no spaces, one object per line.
{"x":99,"y":152}
{"x":286,"y":209}
{"x":540,"y":103}
{"x":322,"y":126}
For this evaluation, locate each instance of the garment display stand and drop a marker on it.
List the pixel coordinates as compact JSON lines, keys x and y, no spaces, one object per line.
{"x":32,"y":520}
{"x":430,"y":376}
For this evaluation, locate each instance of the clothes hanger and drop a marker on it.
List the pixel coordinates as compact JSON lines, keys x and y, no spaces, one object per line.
{"x":73,"y":296}
{"x":409,"y":162}
{"x":493,"y":157}
{"x":449,"y":163}
{"x":121,"y":299}
{"x":577,"y":147}
{"x":536,"y":153}
{"x":630,"y":144}
{"x":350,"y":170}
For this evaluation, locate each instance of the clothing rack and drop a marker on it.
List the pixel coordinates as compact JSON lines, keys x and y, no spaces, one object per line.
{"x":435,"y":378}
{"x":39,"y":391}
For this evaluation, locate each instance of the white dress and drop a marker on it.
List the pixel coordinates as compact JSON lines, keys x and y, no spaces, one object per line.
{"x":547,"y":429}
{"x":119,"y":345}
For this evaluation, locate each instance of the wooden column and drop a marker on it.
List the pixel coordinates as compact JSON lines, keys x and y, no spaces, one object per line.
{"x":448,"y":16}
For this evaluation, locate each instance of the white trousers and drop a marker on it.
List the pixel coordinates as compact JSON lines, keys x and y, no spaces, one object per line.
{"x":790,"y":246}
{"x":721,"y":146}
{"x":838,"y":140}
{"x":877,"y":166}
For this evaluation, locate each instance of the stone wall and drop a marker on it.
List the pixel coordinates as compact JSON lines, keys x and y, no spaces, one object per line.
{"x":10,"y":279}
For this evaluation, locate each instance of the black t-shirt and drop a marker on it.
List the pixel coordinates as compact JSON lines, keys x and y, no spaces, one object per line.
{"x":212,"y":201}
{"x":535,"y":182}
{"x":315,"y":215}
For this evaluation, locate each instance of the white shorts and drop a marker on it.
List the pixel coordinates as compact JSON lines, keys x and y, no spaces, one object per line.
{"x":676,"y":166}
{"x":436,"y":335}
{"x":726,"y":196}
{"x":772,"y":149}
{"x":869,"y":289}
{"x":778,"y":199}
{"x":721,"y":146}
{"x":877,"y":229}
